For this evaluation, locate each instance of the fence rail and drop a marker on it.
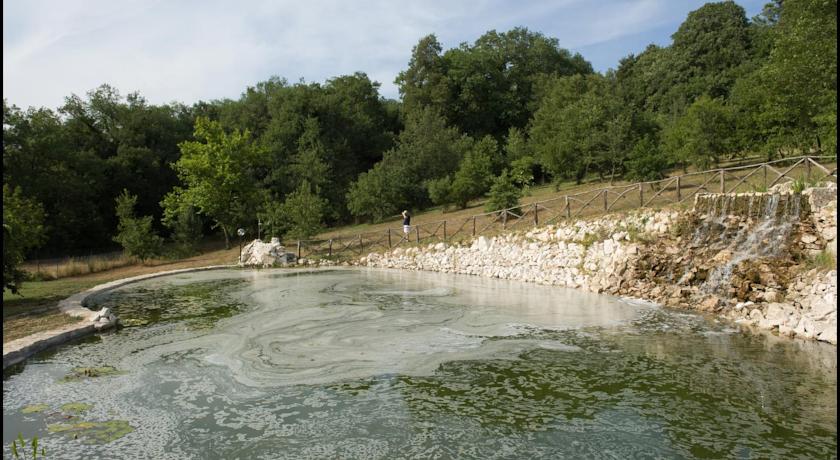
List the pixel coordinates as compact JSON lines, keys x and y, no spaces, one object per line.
{"x":673,"y":190}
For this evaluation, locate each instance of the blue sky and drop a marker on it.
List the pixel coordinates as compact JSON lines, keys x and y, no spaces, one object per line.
{"x":192,"y":50}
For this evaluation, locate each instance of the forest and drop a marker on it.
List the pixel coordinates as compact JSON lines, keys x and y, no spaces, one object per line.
{"x":488,"y":117}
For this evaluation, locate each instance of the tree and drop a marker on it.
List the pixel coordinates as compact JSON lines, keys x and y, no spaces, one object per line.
{"x":801,"y":74}
{"x":215,"y":169}
{"x":135,"y":234}
{"x":183,"y":221}
{"x":475,"y":173}
{"x":427,"y":149}
{"x":23,"y":230}
{"x":645,"y":161}
{"x":569,"y":131}
{"x":504,"y":193}
{"x":303,"y":212}
{"x":702,"y":135}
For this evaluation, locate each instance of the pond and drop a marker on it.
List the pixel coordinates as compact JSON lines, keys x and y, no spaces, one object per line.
{"x":362,"y":363}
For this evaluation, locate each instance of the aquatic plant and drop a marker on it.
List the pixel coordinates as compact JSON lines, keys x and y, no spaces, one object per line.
{"x":76,"y":408}
{"x":19,"y":449}
{"x":34,"y":408}
{"x":93,"y":432}
{"x":80,"y":373}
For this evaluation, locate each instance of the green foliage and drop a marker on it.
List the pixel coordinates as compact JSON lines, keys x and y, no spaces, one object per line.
{"x":215,"y":169}
{"x":475,"y":173}
{"x":569,"y":132}
{"x":701,"y":136}
{"x":440,"y":190}
{"x":21,"y":451}
{"x":504,"y":193}
{"x":824,"y":260}
{"x":23,"y":230}
{"x":302,"y":213}
{"x":487,"y":87}
{"x":646,"y":162}
{"x":427,"y":149}
{"x":135,"y":234}
{"x":184,"y":222}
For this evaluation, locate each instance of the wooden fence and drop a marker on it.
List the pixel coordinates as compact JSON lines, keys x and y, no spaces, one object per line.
{"x":673,"y":190}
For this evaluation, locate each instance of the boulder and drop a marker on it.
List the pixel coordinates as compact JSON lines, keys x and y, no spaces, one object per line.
{"x":260,"y":254}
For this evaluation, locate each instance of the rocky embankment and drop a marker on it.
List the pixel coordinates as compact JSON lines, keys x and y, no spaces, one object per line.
{"x":763,"y":259}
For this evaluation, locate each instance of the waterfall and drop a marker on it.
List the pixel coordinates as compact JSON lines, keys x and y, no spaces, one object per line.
{"x":765,"y":225}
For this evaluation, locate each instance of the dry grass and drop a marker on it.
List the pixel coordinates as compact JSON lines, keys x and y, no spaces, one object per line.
{"x":35,"y":309}
{"x":22,"y":325}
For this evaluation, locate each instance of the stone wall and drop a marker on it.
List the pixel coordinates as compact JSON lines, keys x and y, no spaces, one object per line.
{"x":751,"y":268}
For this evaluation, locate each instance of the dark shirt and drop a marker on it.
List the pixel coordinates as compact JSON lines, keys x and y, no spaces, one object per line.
{"x":407,"y":220}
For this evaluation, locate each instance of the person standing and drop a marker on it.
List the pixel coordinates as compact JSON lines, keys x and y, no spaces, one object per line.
{"x":406,"y":223}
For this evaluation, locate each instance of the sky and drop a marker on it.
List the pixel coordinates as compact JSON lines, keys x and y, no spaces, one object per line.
{"x":191,"y":50}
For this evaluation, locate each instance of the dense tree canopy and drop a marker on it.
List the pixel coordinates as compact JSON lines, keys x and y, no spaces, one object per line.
{"x":496,"y":113}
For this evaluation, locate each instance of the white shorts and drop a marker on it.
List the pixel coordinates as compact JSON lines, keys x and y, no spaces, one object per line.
{"x":406,"y":228}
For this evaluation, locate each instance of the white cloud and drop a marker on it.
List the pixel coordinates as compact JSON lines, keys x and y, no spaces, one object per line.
{"x":191,"y":50}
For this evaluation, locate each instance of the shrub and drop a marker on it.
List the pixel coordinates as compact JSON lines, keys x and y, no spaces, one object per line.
{"x":504,"y":193}
{"x":135,"y":234}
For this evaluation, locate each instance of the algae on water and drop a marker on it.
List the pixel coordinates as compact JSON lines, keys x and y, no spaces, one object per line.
{"x":34,"y":408}
{"x":93,"y":432}
{"x":76,"y":408}
{"x":80,"y":373}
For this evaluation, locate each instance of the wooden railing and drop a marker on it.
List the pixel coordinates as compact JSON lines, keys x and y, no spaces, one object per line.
{"x":673,"y":190}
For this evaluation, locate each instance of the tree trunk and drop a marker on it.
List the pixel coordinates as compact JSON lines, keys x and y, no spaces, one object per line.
{"x":227,"y":237}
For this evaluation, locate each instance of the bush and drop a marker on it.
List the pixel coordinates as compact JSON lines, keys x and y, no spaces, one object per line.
{"x":440,"y":190}
{"x":504,"y":193}
{"x":135,"y":234}
{"x":23,"y":229}
{"x":303,"y":212}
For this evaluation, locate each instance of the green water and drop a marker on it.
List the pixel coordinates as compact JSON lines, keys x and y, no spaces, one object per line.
{"x":379,"y":364}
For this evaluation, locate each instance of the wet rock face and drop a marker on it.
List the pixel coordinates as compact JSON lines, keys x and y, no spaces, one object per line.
{"x":734,"y":250}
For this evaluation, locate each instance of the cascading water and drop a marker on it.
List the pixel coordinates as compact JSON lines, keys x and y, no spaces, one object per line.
{"x":764,"y":232}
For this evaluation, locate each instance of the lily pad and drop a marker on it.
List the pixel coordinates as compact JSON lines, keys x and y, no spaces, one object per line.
{"x":93,"y":432}
{"x":34,"y":408}
{"x":80,"y":373}
{"x":76,"y":408}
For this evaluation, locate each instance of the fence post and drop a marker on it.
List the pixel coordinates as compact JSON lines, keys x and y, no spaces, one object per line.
{"x":473,"y":226}
{"x":444,"y":230}
{"x":641,"y":196}
{"x":330,"y":250}
{"x":605,"y":201}
{"x":504,"y":219}
{"x":298,"y":249}
{"x":361,"y":245}
{"x":536,"y":215}
{"x":417,"y":228}
{"x":568,"y":207}
{"x":808,"y":168}
{"x":722,"y":183}
{"x":679,"y":196}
